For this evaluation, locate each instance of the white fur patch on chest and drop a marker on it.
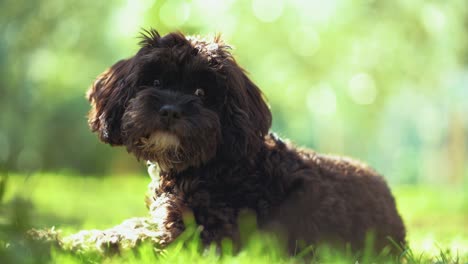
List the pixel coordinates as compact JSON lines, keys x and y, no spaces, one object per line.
{"x":153,"y":170}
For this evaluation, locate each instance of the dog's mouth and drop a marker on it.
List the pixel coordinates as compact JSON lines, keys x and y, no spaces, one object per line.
{"x":159,"y":141}
{"x":160,"y":147}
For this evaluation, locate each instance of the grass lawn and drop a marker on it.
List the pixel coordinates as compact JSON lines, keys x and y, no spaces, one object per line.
{"x":436,"y":218}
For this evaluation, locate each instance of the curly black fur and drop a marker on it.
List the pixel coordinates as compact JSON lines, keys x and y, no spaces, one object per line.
{"x":217,"y":157}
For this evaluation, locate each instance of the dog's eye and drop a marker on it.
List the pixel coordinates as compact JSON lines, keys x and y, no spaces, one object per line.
{"x":156,"y":83}
{"x":200,"y":92}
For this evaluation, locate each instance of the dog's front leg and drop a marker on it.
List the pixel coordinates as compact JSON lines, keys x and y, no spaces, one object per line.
{"x":166,"y":213}
{"x":218,"y":223}
{"x":161,"y":227}
{"x":165,"y":206}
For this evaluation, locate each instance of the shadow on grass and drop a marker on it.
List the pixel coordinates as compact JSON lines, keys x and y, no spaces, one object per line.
{"x":16,"y":218}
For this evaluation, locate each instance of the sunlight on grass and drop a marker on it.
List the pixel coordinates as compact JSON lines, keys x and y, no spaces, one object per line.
{"x":91,"y":202}
{"x":435,"y":218}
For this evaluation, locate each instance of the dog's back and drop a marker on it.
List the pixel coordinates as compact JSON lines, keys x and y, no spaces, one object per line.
{"x":333,"y":199}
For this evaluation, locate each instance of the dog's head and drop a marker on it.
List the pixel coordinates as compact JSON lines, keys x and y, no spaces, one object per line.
{"x":179,"y":101}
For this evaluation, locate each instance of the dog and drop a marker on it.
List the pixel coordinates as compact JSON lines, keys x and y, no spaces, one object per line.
{"x":185,"y":105}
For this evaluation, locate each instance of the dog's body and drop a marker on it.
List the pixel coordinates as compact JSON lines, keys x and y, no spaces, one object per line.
{"x":186,"y":105}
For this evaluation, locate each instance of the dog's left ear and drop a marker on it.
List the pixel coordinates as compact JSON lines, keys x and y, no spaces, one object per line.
{"x":108,"y":97}
{"x":247,"y":117}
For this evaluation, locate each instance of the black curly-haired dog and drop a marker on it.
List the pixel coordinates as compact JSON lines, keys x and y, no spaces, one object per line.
{"x":184,"y":104}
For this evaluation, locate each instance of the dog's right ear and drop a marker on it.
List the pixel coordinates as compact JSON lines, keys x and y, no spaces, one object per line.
{"x":108,"y":96}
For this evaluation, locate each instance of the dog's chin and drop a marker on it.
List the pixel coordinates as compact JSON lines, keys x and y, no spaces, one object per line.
{"x":160,"y":142}
{"x":160,"y":147}
{"x":170,"y":152}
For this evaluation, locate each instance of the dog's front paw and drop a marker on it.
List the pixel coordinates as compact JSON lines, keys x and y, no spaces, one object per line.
{"x":46,"y":236}
{"x":127,"y":235}
{"x":169,"y":231}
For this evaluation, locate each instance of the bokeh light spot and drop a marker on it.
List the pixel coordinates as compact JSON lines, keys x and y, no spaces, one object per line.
{"x":322,"y":100}
{"x":42,"y":65}
{"x":174,"y":13}
{"x":315,"y":12}
{"x":204,"y":12}
{"x":267,"y":10}
{"x":304,"y":41}
{"x":361,"y":89}
{"x":129,"y":17}
{"x":433,"y":19}
{"x":211,"y":8}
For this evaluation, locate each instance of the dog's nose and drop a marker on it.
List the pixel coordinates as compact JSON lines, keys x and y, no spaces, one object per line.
{"x":170,"y":112}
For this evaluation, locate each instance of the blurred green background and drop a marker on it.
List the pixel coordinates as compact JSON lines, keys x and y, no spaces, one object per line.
{"x":382,"y":81}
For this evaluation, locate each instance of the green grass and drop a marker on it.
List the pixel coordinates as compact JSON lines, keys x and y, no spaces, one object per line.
{"x":436,"y":219}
